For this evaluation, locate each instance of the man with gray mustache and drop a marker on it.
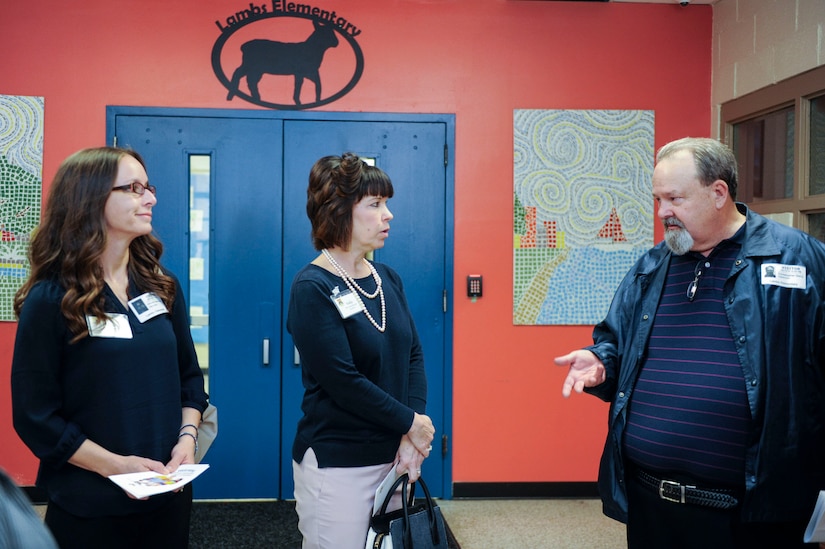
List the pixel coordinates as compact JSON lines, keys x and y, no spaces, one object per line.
{"x":712,"y":357}
{"x":679,"y":242}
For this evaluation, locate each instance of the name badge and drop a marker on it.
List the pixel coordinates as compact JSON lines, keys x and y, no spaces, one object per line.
{"x":346,"y":302}
{"x":147,"y":306}
{"x":787,"y":276}
{"x":116,"y":326}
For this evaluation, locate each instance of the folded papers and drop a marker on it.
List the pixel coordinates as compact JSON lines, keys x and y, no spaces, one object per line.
{"x":151,"y":483}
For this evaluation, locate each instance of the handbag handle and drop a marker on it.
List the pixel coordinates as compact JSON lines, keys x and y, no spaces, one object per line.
{"x":410,"y":502}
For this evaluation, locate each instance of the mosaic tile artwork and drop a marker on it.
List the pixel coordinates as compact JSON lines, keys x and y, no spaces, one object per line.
{"x":21,"y":175}
{"x":583,"y":210}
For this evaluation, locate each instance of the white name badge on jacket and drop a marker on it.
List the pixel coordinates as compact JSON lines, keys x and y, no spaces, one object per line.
{"x":116,"y":326}
{"x":346,"y":302}
{"x":147,"y":306}
{"x":787,"y":276}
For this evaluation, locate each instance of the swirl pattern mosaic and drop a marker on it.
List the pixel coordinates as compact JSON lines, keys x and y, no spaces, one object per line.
{"x":583,"y":210}
{"x":21,"y":178}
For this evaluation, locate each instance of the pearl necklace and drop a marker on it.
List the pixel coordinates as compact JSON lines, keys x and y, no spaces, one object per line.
{"x":356,"y":289}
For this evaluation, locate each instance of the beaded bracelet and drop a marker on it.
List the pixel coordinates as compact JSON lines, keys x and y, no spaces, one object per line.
{"x":193,"y":438}
{"x":195,"y":427}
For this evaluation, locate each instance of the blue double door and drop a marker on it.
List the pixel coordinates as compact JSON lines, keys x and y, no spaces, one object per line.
{"x":231,"y":214}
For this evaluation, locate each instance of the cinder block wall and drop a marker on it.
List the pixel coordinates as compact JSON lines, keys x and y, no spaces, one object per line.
{"x":757,"y":43}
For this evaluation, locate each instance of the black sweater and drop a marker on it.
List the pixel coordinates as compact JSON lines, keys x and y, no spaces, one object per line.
{"x":362,"y":387}
{"x":123,"y":394}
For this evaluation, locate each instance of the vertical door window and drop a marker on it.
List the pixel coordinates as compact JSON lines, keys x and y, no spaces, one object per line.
{"x":199,"y":177}
{"x":369,"y":161}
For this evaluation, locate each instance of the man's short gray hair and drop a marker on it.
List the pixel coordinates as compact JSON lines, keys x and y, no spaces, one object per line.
{"x":714,"y":160}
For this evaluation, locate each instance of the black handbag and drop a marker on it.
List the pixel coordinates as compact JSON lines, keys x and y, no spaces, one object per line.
{"x":414,"y":526}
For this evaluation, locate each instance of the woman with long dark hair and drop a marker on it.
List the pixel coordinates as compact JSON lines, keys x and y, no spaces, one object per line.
{"x":105,"y":379}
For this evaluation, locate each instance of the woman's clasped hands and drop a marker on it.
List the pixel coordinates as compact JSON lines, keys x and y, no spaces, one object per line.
{"x":415,"y":446}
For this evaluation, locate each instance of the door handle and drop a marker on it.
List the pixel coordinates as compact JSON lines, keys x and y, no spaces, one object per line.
{"x":266,"y":351}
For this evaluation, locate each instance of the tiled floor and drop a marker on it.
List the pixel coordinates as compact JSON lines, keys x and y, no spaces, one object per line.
{"x":532,"y":524}
{"x":528,"y":524}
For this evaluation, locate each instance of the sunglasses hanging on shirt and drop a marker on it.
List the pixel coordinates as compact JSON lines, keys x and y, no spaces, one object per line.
{"x":697,"y":273}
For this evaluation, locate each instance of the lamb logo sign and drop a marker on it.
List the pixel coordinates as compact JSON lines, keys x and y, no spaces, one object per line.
{"x":263,"y":45}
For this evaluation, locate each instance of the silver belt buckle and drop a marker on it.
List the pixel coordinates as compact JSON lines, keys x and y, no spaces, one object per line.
{"x":674,"y":484}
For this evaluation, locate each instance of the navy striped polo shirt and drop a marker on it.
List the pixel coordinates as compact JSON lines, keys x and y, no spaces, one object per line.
{"x":689,"y":412}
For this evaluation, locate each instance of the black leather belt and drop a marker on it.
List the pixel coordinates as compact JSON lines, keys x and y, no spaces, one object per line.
{"x":670,"y":490}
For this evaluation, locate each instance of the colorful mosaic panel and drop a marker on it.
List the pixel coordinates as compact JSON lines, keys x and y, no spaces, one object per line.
{"x":583,"y":210}
{"x":21,"y":174}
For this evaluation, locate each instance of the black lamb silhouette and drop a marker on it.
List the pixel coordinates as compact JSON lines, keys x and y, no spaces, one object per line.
{"x":301,"y":59}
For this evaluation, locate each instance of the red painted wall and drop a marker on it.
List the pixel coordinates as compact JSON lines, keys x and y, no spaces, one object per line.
{"x":479,"y":59}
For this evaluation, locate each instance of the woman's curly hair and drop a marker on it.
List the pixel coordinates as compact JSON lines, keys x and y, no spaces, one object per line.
{"x":69,"y":242}
{"x":336,"y":185}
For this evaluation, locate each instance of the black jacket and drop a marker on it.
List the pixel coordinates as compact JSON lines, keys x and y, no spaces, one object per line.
{"x":779,"y":334}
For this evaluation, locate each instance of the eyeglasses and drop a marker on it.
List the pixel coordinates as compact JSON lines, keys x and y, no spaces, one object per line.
{"x":697,"y":273}
{"x":136,"y":187}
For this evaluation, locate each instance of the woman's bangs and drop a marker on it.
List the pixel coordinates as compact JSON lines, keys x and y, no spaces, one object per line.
{"x":375,"y":182}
